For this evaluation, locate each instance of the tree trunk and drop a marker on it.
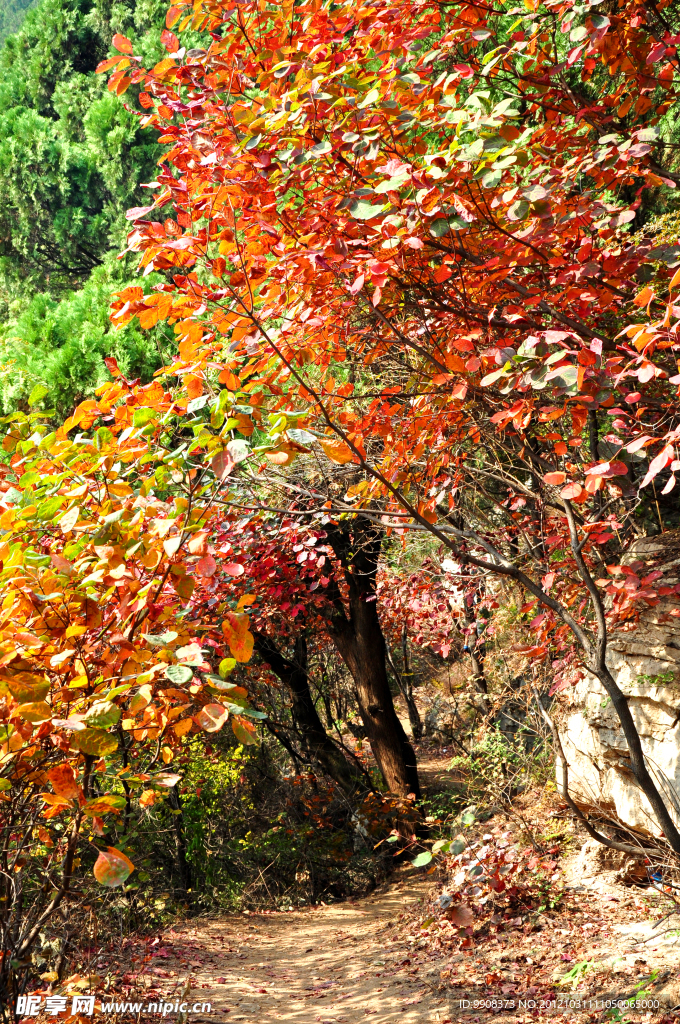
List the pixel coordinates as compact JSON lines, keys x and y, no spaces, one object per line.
{"x":476,"y":648}
{"x":319,"y":746}
{"x":180,"y":841}
{"x":405,"y":684}
{"x":357,"y":633}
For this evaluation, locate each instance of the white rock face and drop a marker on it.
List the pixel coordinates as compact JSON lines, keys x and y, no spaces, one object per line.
{"x":645,"y":662}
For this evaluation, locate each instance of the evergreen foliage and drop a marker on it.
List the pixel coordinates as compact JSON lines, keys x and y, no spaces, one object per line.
{"x":72,"y":159}
{"x":71,"y":156}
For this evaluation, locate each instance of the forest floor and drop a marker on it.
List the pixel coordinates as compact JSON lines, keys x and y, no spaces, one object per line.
{"x":374,"y":959}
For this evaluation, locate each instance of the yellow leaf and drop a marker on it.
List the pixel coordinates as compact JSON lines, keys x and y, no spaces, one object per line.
{"x":38,"y":711}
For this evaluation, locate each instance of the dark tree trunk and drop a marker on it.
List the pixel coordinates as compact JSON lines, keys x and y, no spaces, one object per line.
{"x":180,"y":841}
{"x":318,"y":745}
{"x":357,"y":633}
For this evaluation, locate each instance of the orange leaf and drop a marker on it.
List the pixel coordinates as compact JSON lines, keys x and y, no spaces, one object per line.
{"x":169,"y":40}
{"x":555,"y":478}
{"x":212,"y":717}
{"x":571,"y":492}
{"x":106,"y":65}
{"x":238,"y":636}
{"x":198,"y":544}
{"x":122,"y":43}
{"x":194,"y":385}
{"x":112,"y":867}
{"x":173,"y":15}
{"x":337,"y":451}
{"x":222,"y":464}
{"x":230,"y":379}
{"x":675,"y":280}
{"x":244,"y":731}
{"x":645,"y":296}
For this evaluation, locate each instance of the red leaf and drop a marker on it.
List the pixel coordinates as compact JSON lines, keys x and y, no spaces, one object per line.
{"x":169,"y":41}
{"x":658,"y":463}
{"x":207,"y":566}
{"x":555,"y":478}
{"x":222,"y":464}
{"x":571,"y":491}
{"x":234,"y":569}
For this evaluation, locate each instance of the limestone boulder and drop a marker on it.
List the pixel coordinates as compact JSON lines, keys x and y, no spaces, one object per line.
{"x":645,"y":661}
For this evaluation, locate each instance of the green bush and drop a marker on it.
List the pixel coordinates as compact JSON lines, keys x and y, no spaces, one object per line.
{"x":61,"y":343}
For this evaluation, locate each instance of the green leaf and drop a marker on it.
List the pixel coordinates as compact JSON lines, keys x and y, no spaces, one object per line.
{"x":37,"y":394}
{"x":198,"y":403}
{"x":102,"y":715}
{"x":491,"y":179}
{"x":518,"y":210}
{"x":491,"y":378}
{"x":369,"y":98}
{"x":48,"y":509}
{"x":226,"y":666}
{"x":457,"y":846}
{"x":422,"y":860}
{"x":179,"y":674}
{"x":143,"y":416}
{"x":568,"y":377}
{"x":535,"y":193}
{"x":439,"y":227}
{"x":160,"y":639}
{"x":468,"y":818}
{"x":360,"y":209}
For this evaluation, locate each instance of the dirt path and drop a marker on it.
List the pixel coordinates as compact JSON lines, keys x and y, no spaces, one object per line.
{"x":333,"y":964}
{"x":361,"y":961}
{"x":381,"y":958}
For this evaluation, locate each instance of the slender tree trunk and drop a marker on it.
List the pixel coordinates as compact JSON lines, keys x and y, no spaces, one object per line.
{"x":319,"y":746}
{"x":357,"y":633}
{"x":180,"y":841}
{"x":475,"y":648}
{"x":405,"y":683}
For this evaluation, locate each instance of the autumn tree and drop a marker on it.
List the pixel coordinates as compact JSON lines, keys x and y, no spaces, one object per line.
{"x":102,"y":677}
{"x":415,"y":224}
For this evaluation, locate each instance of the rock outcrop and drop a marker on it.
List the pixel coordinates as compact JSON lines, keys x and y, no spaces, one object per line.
{"x":645,"y":661}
